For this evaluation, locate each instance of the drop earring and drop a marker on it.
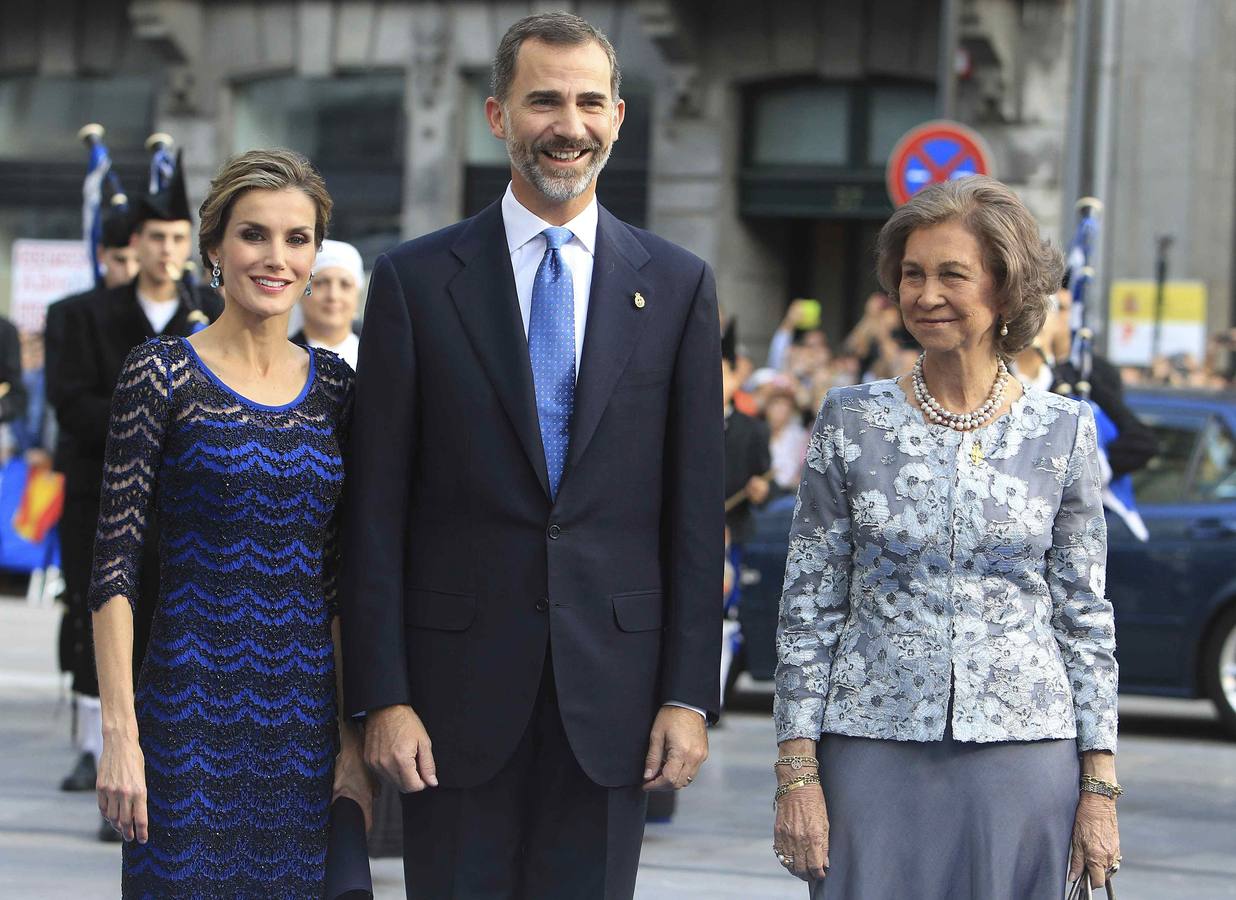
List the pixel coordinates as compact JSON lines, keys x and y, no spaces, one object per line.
{"x":309,"y":286}
{"x":1004,"y":330}
{"x":216,"y":277}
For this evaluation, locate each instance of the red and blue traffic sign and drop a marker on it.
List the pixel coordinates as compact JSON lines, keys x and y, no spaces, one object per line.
{"x":931,"y":153}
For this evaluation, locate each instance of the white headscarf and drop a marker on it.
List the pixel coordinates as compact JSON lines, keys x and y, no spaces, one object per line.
{"x":344,"y":256}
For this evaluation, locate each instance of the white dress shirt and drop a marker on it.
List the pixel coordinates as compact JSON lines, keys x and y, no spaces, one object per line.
{"x":526,"y":243}
{"x":158,"y":312}
{"x":527,"y":247}
{"x":346,"y":351}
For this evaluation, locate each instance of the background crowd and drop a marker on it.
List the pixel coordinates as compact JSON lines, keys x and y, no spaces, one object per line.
{"x":784,"y":384}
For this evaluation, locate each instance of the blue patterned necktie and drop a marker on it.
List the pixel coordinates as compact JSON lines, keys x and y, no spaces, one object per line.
{"x":551,"y":345}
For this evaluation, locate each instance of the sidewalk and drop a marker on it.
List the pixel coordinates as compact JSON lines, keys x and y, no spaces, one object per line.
{"x":716,"y":848}
{"x":1178,"y":820}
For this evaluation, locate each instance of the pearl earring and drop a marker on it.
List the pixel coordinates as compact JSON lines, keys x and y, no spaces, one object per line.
{"x":216,"y":279}
{"x":1004,"y":331}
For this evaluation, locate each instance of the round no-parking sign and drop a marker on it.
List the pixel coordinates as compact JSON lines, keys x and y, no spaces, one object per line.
{"x":934,"y":152}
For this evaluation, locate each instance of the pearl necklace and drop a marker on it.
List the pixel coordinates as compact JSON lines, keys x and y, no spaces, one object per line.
{"x":938,"y":415}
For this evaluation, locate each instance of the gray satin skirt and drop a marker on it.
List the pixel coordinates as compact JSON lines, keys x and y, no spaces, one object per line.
{"x":947,"y":820}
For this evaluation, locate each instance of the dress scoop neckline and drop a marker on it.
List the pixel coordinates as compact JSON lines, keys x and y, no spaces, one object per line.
{"x":248,"y":401}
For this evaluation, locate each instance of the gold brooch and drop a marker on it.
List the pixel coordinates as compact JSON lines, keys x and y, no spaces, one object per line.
{"x":976,"y":454}
{"x":639,"y":300}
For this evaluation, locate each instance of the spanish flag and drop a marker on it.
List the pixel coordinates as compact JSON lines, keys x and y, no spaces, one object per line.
{"x":42,"y":501}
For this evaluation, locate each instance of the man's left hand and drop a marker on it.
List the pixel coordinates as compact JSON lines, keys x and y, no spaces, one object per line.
{"x":676,"y":750}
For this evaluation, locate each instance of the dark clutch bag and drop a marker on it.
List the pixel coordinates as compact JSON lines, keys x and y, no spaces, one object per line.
{"x":347,"y":853}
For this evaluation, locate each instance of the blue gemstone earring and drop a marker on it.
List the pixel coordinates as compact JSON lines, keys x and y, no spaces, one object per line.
{"x":216,"y":281}
{"x":309,"y":286}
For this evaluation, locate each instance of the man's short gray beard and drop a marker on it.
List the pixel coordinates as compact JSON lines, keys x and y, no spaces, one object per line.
{"x":557,"y":188}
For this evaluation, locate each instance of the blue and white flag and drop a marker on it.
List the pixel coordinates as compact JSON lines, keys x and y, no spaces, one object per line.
{"x":1117,"y":491}
{"x":92,"y":203}
{"x":162,"y":167}
{"x":1077,"y":265}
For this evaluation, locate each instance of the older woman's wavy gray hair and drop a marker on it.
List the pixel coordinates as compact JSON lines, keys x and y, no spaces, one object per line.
{"x":1025,"y":267}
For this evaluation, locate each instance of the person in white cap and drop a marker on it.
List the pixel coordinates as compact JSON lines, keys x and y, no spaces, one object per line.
{"x":330,"y":309}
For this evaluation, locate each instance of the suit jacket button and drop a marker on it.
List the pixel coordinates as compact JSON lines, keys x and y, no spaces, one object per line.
{"x":554,"y":532}
{"x":542,"y":604}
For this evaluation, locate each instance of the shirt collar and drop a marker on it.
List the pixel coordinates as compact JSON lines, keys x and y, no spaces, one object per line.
{"x":522,"y":225}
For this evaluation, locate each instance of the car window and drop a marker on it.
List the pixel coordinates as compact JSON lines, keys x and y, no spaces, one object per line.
{"x":1165,"y":477}
{"x":1215,"y":477}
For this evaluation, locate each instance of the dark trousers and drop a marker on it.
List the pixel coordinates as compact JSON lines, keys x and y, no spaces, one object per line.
{"x":77,"y":531}
{"x":539,"y":830}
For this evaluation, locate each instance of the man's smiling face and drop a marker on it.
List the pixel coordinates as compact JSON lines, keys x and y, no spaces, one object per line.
{"x":558,"y":119}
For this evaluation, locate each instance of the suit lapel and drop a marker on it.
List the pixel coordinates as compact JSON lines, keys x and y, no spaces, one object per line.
{"x":614,"y":326}
{"x":484,"y":294}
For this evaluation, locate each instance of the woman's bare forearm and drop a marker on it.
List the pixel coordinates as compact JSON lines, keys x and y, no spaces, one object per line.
{"x":113,"y":653}
{"x":1100,"y":764}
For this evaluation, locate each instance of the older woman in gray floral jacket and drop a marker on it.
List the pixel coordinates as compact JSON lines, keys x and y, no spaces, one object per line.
{"x":944,"y":634}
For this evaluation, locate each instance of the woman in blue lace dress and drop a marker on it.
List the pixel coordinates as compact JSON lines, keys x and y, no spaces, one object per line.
{"x":945,"y":645}
{"x":219,"y":769}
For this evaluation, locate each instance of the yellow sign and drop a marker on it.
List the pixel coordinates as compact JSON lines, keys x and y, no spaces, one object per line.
{"x":1131,"y":311}
{"x":1183,"y":301}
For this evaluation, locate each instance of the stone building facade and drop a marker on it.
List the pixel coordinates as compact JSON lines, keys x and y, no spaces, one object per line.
{"x":756,"y":136}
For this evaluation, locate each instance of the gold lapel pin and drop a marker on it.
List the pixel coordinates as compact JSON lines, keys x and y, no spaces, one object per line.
{"x":639,"y":300}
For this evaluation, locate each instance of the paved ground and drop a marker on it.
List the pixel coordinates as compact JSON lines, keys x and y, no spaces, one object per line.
{"x":1178,"y":819}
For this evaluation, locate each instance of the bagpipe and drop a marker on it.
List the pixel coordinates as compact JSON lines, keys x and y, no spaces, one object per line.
{"x":1118,"y":495}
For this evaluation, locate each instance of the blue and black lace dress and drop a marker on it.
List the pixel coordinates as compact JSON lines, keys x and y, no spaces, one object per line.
{"x":236,"y":697}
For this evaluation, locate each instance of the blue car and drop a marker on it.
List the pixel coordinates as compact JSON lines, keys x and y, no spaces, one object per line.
{"x":1174,"y":595}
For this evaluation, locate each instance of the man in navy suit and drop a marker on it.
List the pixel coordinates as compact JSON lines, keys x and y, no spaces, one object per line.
{"x":534,"y":540}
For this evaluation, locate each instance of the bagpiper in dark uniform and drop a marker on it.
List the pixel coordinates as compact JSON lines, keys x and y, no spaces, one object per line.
{"x":88,"y":337}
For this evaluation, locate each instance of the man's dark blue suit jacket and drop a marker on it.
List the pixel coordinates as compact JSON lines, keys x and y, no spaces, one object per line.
{"x":460,"y":573}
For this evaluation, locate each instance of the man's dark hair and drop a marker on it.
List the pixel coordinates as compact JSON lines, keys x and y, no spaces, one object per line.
{"x":557,"y":28}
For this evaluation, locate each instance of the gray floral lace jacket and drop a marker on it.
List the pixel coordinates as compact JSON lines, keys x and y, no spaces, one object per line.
{"x":922,"y":558}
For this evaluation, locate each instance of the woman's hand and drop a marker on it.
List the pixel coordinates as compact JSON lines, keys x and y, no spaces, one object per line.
{"x":1096,"y":838}
{"x":354,"y":780}
{"x":121,"y":786}
{"x":801,"y":832}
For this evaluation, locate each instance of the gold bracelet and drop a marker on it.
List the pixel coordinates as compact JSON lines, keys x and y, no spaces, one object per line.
{"x":793,"y":785}
{"x":1107,"y":789}
{"x":797,"y":762}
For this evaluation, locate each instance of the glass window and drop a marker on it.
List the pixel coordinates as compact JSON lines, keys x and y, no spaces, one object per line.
{"x":350,"y":119}
{"x":894,"y":110}
{"x":802,"y":125}
{"x":1164,"y":479}
{"x":481,"y":148}
{"x":1215,"y":478}
{"x":39,"y":116}
{"x":352,"y":127}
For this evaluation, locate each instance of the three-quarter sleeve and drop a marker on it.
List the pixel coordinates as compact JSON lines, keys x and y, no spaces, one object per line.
{"x":332,"y":544}
{"x":1076,"y":574}
{"x":140,"y":408}
{"x":815,"y":596}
